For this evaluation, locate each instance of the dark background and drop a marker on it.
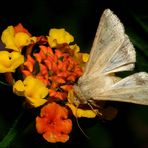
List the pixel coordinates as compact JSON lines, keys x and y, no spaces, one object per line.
{"x":80,"y":18}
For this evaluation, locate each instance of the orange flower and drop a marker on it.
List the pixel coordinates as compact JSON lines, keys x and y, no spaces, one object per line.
{"x":29,"y":63}
{"x":56,"y":68}
{"x":20,"y":28}
{"x":67,"y":87}
{"x":53,"y":123}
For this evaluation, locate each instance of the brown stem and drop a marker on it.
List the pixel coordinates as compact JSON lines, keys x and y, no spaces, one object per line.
{"x":9,"y":78}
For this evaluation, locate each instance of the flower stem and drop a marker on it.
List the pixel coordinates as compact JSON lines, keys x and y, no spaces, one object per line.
{"x":9,"y":78}
{"x":12,"y":133}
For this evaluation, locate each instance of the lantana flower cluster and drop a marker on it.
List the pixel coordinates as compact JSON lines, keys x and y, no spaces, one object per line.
{"x":48,"y":68}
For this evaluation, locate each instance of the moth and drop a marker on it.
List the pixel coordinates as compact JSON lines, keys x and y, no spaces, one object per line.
{"x":112,"y":52}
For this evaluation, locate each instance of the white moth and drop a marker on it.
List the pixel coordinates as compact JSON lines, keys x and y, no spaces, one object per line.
{"x":111,"y":52}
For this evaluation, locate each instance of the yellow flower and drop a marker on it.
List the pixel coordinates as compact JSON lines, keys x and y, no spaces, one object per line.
{"x":19,"y":88}
{"x":77,"y":112}
{"x":85,"y":57}
{"x":78,"y":55}
{"x":75,"y":47}
{"x":8,"y":38}
{"x":33,"y":89}
{"x":59,"y":36}
{"x":9,"y":61}
{"x":16,"y":40}
{"x":23,"y":39}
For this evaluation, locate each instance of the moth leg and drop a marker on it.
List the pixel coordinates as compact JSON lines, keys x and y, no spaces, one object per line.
{"x":91,"y":103}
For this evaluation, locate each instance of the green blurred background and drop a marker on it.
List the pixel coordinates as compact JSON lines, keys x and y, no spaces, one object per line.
{"x":80,"y":18}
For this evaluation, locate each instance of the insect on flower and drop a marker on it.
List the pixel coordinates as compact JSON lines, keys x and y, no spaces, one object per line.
{"x":63,"y":82}
{"x":111,"y":52}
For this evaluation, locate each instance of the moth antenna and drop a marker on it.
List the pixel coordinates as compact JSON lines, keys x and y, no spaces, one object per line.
{"x":80,"y":126}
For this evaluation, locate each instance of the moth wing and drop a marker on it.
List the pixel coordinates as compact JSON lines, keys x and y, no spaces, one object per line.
{"x":133,"y":89}
{"x":112,"y":50}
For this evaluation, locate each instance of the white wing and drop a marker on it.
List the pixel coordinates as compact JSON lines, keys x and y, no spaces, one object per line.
{"x":133,"y":89}
{"x":112,"y":50}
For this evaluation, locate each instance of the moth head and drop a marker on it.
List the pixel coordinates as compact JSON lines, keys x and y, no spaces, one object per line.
{"x":79,"y":96}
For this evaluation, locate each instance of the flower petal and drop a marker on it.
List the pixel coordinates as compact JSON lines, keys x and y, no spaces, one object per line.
{"x":54,"y":123}
{"x":18,"y":88}
{"x":59,"y":36}
{"x":9,"y":61}
{"x":23,"y":39}
{"x":85,"y":57}
{"x":77,"y":112}
{"x":20,"y":28}
{"x":34,"y":90}
{"x":8,"y":38}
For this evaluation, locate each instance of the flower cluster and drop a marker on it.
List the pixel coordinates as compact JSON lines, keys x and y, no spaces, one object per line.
{"x":48,"y":68}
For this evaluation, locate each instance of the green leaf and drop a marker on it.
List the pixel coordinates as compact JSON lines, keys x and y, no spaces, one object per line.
{"x":12,"y":133}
